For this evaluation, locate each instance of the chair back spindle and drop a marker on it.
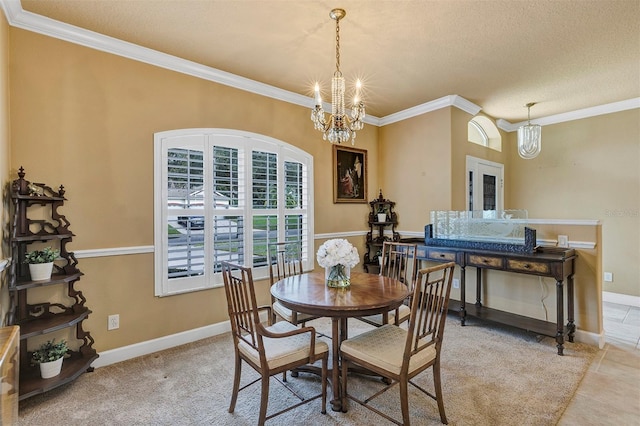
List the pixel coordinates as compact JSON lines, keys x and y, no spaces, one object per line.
{"x":398,"y":262}
{"x":429,"y":308}
{"x":285,"y":260}
{"x":241,"y":303}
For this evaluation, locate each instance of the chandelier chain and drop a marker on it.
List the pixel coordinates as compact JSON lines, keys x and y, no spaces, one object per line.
{"x":338,"y":46}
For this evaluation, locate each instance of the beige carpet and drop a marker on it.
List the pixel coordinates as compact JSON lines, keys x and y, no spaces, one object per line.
{"x":492,"y":375}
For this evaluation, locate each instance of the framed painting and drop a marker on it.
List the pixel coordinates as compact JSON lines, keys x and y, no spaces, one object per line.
{"x":349,"y":175}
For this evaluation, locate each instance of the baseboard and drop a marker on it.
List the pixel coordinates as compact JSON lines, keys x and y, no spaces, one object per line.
{"x":124,"y":353}
{"x":589,"y":338}
{"x":621,"y":299}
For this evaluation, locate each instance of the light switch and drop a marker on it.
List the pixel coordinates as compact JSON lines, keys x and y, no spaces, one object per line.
{"x":608,"y":276}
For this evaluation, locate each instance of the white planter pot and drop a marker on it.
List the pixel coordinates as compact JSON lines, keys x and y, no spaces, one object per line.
{"x":40,"y":271}
{"x":51,"y":369}
{"x":382,"y":217}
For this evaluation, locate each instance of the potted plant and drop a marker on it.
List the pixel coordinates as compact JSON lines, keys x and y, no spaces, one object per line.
{"x":382,"y":214}
{"x":41,"y":263}
{"x":50,"y":355}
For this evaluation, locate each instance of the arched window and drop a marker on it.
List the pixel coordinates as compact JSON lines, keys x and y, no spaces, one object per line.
{"x":482,"y":131}
{"x":221,"y":195}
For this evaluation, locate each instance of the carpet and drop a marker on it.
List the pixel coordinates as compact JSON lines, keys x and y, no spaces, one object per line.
{"x":492,"y":375}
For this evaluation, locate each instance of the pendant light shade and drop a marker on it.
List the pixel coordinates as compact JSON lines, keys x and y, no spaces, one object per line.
{"x":529,"y":138}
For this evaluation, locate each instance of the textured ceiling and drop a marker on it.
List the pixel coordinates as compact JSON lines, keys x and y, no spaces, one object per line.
{"x":565,"y":55}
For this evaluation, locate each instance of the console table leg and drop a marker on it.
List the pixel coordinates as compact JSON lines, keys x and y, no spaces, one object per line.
{"x":463,"y":308}
{"x":571,"y":326}
{"x":478,"y":287}
{"x":560,"y":317}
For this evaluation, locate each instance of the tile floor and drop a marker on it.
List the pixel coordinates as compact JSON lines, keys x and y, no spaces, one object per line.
{"x":609,"y":394}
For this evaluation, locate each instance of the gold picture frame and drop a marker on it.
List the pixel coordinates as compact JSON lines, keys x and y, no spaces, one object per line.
{"x":349,"y":175}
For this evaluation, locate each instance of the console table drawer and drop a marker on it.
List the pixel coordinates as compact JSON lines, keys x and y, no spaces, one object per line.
{"x":484,"y":261}
{"x":442,"y":255}
{"x":525,"y":266}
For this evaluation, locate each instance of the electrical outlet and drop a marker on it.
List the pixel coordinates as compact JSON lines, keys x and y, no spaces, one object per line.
{"x":608,"y":276}
{"x":114,"y":322}
{"x":563,"y":241}
{"x":456,"y":283}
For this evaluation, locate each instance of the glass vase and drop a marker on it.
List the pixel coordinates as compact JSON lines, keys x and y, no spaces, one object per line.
{"x":337,"y":276}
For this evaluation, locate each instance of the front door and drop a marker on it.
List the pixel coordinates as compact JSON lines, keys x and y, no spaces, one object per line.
{"x":485,"y":184}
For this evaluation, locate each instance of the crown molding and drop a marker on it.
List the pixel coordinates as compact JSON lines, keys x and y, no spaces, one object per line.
{"x":443,"y":102}
{"x":574,"y":115}
{"x":19,"y":18}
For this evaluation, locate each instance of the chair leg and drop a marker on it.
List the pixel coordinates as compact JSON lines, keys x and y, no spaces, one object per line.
{"x":236,"y":383}
{"x":404,"y":400}
{"x":325,"y":361}
{"x":437,"y":383}
{"x":264,"y":399}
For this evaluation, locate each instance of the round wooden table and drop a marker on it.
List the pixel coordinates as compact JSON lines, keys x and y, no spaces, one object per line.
{"x":368,"y":294}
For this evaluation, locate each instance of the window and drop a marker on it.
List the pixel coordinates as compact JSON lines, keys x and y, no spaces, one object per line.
{"x":224,"y":195}
{"x":482,"y":131}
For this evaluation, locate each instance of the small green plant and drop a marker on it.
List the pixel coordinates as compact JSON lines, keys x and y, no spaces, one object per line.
{"x":50,"y":351}
{"x":45,"y":255}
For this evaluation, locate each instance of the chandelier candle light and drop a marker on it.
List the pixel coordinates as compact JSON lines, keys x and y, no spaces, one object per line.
{"x":339,"y":128}
{"x":529,"y":137}
{"x":337,"y":257}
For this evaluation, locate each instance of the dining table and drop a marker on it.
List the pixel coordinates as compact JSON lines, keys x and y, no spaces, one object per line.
{"x":367,"y":294}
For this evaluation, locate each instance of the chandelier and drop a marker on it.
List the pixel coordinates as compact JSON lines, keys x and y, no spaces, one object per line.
{"x":340,"y":127}
{"x":529,"y":137}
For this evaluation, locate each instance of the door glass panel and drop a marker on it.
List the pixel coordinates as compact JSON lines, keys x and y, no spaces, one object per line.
{"x":489,"y":192}
{"x":470,"y":191}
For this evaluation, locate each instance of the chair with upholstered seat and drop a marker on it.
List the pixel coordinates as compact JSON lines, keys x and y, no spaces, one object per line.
{"x":271,"y":349}
{"x":285,"y":260}
{"x":398,"y":262}
{"x":400,"y":354}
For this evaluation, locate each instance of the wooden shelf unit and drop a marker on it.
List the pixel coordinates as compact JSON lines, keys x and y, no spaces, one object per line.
{"x":45,"y":317}
{"x":375,"y":242}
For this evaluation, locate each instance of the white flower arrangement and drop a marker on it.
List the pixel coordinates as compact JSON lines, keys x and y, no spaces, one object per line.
{"x":337,"y":252}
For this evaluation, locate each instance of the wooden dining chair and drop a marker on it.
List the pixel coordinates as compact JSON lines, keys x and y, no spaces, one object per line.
{"x":398,"y":262}
{"x":270,"y":349}
{"x":400,"y":354}
{"x":285,"y":260}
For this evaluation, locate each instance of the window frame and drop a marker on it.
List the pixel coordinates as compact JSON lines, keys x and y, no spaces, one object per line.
{"x":487,"y":131}
{"x":246,"y":143}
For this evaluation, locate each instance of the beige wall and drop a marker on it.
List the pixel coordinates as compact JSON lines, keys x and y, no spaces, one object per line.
{"x":415,"y":165}
{"x":589,"y":169}
{"x":5,"y":151}
{"x":86,"y":120}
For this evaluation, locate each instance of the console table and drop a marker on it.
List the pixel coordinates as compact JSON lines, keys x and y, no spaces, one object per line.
{"x":554,"y":262}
